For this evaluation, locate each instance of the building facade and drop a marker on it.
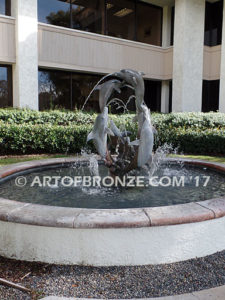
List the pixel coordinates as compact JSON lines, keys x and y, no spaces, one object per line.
{"x":52,"y":52}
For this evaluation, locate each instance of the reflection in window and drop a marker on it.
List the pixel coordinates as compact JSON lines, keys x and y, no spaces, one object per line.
{"x":126,"y":19}
{"x":210,"y":95}
{"x":59,"y":89}
{"x":88,"y":15}
{"x":54,"y":90}
{"x":82,"y":84}
{"x":5,"y":86}
{"x":69,"y":90}
{"x":54,"y":12}
{"x":5,"y":7}
{"x":149,"y":21}
{"x":213,"y":23}
{"x":121,"y":19}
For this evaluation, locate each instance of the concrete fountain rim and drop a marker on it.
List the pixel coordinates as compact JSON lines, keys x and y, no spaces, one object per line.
{"x":63,"y":217}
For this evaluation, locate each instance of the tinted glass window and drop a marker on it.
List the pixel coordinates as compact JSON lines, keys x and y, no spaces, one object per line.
{"x":126,"y":19}
{"x":210,"y":95}
{"x":59,"y":89}
{"x":5,"y":7}
{"x":5,"y":86}
{"x":88,"y":15}
{"x":54,"y":89}
{"x":82,"y":84}
{"x":170,"y":96}
{"x":213,"y":23}
{"x":55,"y":12}
{"x":149,"y":22}
{"x":172,"y":25}
{"x":153,"y":94}
{"x":121,"y":19}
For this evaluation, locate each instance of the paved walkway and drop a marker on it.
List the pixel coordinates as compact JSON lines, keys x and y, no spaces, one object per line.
{"x":211,"y":294}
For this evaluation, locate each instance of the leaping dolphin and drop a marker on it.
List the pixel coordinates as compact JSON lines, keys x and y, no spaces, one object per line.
{"x":135,"y":79}
{"x":146,"y":136}
{"x":105,"y":91}
{"x":99,"y":133}
{"x":146,"y":144}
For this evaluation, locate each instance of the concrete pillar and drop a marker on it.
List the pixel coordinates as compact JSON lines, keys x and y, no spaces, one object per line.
{"x":165,"y":94}
{"x":166,"y":30}
{"x":166,"y":37}
{"x":188,"y":55}
{"x":222,"y":69}
{"x":25,"y":71}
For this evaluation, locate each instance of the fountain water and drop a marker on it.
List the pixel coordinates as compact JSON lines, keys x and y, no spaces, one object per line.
{"x":57,"y":223}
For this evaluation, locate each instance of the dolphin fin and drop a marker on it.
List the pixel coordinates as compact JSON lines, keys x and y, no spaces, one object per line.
{"x":134,"y":80}
{"x":117,"y":89}
{"x":135,"y":143}
{"x":141,"y":73}
{"x":154,"y":130}
{"x":98,"y":88}
{"x":109,"y":131}
{"x":90,"y":136}
{"x":150,"y":160}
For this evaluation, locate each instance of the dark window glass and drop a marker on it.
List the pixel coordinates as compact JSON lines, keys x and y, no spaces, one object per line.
{"x":121,"y":19}
{"x":5,"y":7}
{"x":153,"y":95}
{"x":126,"y":19}
{"x":88,"y":15}
{"x":5,"y":86}
{"x":210,"y":95}
{"x":149,"y":24}
{"x":54,"y":89}
{"x":170,"y":96}
{"x":59,"y":89}
{"x":213,"y":23}
{"x":55,"y":12}
{"x":82,"y":84}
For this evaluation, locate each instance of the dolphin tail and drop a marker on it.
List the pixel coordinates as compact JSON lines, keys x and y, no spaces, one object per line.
{"x":90,"y":136}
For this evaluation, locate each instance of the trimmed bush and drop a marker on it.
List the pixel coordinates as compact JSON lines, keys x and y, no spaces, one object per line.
{"x":26,"y":132}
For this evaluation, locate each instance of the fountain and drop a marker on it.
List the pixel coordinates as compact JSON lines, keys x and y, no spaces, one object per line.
{"x":130,"y":154}
{"x":124,"y":208}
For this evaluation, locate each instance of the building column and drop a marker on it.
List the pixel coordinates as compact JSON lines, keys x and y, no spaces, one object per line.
{"x":188,"y":55}
{"x":25,"y":71}
{"x":166,"y":26}
{"x":222,"y":69}
{"x":165,"y":95}
{"x":166,"y":38}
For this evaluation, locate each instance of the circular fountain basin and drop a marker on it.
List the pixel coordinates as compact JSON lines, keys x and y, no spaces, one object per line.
{"x":108,"y":237}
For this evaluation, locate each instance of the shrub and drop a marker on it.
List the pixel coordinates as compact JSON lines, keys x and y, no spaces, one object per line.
{"x":24,"y":131}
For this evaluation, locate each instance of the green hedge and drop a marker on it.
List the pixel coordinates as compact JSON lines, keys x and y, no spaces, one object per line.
{"x":55,"y":117}
{"x":25,"y":132}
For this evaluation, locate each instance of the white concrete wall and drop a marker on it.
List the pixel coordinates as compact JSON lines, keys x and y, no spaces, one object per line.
{"x":188,"y":55}
{"x":165,"y":94}
{"x":69,"y":49}
{"x":25,"y":71}
{"x":114,"y":246}
{"x":222,"y":69}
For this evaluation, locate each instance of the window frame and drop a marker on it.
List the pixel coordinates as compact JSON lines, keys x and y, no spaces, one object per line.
{"x":105,"y":21}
